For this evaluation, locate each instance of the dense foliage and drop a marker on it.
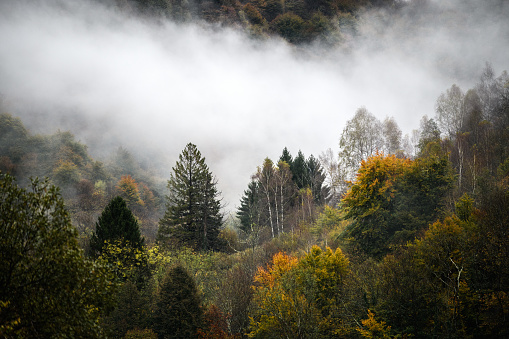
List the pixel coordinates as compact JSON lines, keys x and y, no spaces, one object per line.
{"x":390,"y":236}
{"x":47,"y":287}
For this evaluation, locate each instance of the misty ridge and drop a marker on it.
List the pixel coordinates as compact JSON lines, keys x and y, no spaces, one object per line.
{"x":152,"y":82}
{"x":254,"y":169}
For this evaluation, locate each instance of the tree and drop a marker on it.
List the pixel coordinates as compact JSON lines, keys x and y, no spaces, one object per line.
{"x":335,"y":175}
{"x":193,"y":215}
{"x":266,"y":178}
{"x":302,"y":298}
{"x":291,"y":27}
{"x":450,"y":112}
{"x":392,"y":136}
{"x":430,"y":134}
{"x":47,"y":286}
{"x":249,"y":211}
{"x":178,"y":309}
{"x":300,"y":171}
{"x":393,"y":199}
{"x":116,"y":223}
{"x":360,"y":139}
{"x":129,"y":190}
{"x":316,"y":177}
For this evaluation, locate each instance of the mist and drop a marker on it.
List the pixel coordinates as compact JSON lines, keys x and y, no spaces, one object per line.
{"x":152,"y":86}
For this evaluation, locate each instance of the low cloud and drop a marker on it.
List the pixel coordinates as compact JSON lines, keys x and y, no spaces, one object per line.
{"x":114,"y":79}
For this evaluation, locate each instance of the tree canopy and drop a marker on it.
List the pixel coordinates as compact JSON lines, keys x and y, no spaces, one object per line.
{"x":47,"y":287}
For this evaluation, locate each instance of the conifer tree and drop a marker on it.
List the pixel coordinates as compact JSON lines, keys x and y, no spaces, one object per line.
{"x":116,"y":223}
{"x":249,"y":210}
{"x":178,"y":310}
{"x":193,"y":216}
{"x":286,"y":157}
{"x":300,"y":171}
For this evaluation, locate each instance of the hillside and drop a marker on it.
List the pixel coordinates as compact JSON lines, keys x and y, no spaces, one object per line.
{"x":254,"y":169}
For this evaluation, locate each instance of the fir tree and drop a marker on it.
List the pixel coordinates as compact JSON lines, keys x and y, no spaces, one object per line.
{"x":286,"y":157}
{"x":178,"y":310}
{"x":248,"y":212}
{"x":300,"y":171}
{"x":116,"y":223}
{"x":193,"y":216}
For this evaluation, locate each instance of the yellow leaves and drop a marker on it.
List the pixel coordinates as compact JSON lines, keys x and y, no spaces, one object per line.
{"x":373,"y":329}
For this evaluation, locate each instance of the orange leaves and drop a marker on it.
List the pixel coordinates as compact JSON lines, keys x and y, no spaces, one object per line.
{"x":129,"y":190}
{"x":281,"y":264}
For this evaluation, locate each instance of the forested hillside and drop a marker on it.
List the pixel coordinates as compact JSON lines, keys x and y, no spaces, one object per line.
{"x":396,"y":234}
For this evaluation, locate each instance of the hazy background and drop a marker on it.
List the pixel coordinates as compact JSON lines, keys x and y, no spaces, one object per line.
{"x":116,"y":80}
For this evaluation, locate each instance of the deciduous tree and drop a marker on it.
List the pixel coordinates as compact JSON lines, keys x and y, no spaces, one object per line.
{"x":47,"y":286}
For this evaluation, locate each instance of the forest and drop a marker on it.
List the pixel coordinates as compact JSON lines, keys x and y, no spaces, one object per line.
{"x":393,"y":236}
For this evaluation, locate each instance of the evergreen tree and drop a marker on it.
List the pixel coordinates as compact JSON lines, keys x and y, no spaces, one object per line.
{"x":286,"y":157}
{"x":248,"y":212}
{"x":316,"y":177}
{"x":193,"y":215}
{"x":116,"y":223}
{"x":299,"y":171}
{"x":178,"y":310}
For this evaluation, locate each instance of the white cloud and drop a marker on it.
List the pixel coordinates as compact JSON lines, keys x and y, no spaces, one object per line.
{"x":153,"y":87}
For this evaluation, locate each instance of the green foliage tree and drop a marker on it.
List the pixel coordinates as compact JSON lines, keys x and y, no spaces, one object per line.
{"x":47,"y":287}
{"x":116,"y":223}
{"x":13,"y":138}
{"x":193,"y":216}
{"x":291,"y":27}
{"x":300,"y":171}
{"x":392,"y":199}
{"x":131,"y":311}
{"x":178,"y":312}
{"x":249,"y":211}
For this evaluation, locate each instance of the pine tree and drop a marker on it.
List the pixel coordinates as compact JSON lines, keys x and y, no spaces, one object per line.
{"x":249,"y":210}
{"x":178,"y":310}
{"x":286,"y":157}
{"x":193,"y":216}
{"x":299,"y":171}
{"x":116,"y":223}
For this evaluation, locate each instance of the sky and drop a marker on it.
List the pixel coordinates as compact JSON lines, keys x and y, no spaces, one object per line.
{"x":114,"y":79}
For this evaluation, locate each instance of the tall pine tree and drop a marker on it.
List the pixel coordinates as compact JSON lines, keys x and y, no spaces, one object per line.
{"x":193,"y":216}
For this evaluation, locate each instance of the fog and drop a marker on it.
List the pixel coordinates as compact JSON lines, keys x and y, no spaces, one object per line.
{"x":115,"y":80}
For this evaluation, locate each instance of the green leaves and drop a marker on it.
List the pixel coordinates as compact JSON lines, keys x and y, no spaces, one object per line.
{"x":391,"y":199}
{"x":47,"y":287}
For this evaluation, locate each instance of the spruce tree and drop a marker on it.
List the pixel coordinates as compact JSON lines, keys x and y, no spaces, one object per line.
{"x":178,"y":309}
{"x":193,"y":216}
{"x":286,"y":157}
{"x":300,"y":171}
{"x":249,"y":210}
{"x":116,"y":223}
